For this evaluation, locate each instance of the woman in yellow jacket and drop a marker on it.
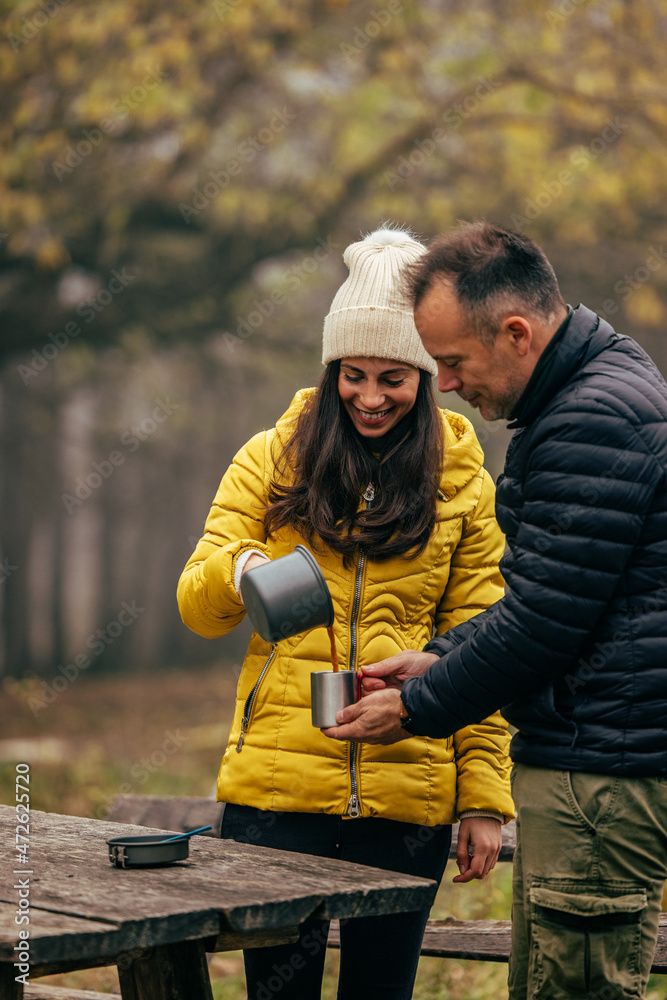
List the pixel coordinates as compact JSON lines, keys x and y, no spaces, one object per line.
{"x":390,"y":495}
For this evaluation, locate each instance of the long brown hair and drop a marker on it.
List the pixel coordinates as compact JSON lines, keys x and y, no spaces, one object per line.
{"x":326,"y":466}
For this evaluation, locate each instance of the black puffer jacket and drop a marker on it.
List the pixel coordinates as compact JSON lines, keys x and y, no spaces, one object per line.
{"x":576,"y":651}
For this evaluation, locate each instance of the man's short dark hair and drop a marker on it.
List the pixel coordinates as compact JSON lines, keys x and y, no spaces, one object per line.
{"x":492,"y":271}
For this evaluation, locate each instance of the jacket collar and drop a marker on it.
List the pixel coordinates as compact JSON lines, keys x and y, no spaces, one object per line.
{"x":585,"y":335}
{"x":463,"y":453}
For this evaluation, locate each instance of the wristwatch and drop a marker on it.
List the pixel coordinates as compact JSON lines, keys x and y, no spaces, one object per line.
{"x":405,"y":719}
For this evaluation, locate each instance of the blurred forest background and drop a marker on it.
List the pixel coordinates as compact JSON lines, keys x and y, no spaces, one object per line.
{"x":178,"y":182}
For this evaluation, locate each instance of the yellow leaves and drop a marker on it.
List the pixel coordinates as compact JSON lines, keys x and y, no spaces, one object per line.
{"x":23,"y":114}
{"x":289,"y":18}
{"x":168,"y":51}
{"x":221,"y":68}
{"x":20,"y":209}
{"x":240,"y":21}
{"x":257,"y":52}
{"x":579,"y":230}
{"x":135,"y":38}
{"x":51,"y":254}
{"x":643,"y":306}
{"x":322,"y":189}
{"x":194,"y":133}
{"x":608,"y":186}
{"x":395,"y":60}
{"x":119,"y":18}
{"x":607,"y":195}
{"x":88,"y":26}
{"x":233,"y":207}
{"x":21,"y":213}
{"x":67,"y":69}
{"x":116,"y":218}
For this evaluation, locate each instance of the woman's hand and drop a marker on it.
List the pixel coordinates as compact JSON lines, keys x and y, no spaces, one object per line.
{"x":394,"y":671}
{"x":255,"y":560}
{"x":484,"y":835}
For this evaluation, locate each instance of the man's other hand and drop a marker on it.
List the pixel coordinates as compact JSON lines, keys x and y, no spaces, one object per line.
{"x":393,"y":672}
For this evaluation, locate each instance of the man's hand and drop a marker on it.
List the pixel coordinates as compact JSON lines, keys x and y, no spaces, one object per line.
{"x":375,"y":719}
{"x":483,"y":835}
{"x":394,"y":671}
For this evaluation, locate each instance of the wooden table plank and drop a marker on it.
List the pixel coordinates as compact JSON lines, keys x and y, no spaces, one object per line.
{"x":245,"y":882}
{"x":50,"y":935}
{"x":223,"y":887}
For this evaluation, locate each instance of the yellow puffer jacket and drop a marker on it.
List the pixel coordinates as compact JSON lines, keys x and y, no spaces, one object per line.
{"x":275,"y":759}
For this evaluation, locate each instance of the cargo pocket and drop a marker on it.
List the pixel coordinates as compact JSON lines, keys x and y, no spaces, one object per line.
{"x":585,"y":939}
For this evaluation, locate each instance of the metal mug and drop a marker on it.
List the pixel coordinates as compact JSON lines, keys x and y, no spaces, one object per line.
{"x":287,"y":596}
{"x":330,"y":692}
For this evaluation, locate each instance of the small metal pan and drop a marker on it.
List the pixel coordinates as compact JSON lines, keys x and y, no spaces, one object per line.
{"x":146,"y":852}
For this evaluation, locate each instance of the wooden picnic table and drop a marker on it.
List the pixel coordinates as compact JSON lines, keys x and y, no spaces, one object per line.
{"x":156,"y":924}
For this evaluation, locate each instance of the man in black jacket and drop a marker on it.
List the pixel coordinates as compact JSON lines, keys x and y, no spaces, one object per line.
{"x":576,"y":650}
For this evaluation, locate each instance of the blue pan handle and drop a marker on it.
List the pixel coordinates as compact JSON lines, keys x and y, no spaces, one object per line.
{"x":190,"y":833}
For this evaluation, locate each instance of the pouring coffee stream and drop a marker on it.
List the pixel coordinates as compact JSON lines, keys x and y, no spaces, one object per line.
{"x":334,"y":654}
{"x":368,"y":496}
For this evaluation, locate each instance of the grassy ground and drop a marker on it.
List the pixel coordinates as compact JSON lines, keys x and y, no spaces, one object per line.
{"x":162,"y":735}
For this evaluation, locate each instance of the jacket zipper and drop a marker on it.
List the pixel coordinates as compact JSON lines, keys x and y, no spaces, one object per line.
{"x":353,"y":803}
{"x":250,"y":702}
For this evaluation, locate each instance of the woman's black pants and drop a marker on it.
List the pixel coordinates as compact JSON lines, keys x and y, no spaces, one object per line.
{"x":379,"y":955}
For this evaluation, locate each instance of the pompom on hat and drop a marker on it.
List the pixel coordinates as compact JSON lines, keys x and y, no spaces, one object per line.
{"x":370,"y":316}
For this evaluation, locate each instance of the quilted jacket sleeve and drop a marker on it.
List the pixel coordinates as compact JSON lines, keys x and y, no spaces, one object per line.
{"x":579,"y":525}
{"x":475,"y":582}
{"x":207,"y":600}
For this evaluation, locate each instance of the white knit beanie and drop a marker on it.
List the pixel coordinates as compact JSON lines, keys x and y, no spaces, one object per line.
{"x":370,"y":316}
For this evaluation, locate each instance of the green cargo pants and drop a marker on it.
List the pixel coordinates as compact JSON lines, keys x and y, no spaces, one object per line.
{"x":589,"y":870}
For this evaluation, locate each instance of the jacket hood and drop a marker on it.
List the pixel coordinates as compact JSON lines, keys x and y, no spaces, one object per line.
{"x":463,"y":453}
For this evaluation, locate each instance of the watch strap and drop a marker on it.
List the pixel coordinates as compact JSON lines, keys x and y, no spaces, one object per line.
{"x":405,"y":718}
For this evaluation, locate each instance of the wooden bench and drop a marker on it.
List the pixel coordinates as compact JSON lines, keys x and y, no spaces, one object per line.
{"x":483,"y":940}
{"x":183,"y":813}
{"x":489,"y":940}
{"x":168,"y":812}
{"x":37,"y":991}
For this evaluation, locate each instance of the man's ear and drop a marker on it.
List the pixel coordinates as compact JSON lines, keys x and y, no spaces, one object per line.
{"x":519,"y":332}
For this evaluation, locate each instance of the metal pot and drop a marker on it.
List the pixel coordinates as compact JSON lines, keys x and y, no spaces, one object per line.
{"x":287,"y":596}
{"x":147,"y":851}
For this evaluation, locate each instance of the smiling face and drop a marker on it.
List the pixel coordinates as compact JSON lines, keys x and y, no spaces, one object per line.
{"x":377,"y":393}
{"x":489,"y":377}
